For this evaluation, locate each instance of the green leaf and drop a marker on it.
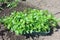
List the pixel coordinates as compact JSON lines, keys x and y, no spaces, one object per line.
{"x":17,"y":32}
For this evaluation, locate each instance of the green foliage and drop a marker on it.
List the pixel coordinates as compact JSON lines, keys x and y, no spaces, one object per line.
{"x":10,"y":3}
{"x":13,"y":4}
{"x":29,"y":21}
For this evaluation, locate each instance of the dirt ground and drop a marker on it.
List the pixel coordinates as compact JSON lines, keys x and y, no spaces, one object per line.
{"x":51,"y":5}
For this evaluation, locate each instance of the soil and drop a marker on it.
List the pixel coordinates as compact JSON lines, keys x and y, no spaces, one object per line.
{"x":51,"y":5}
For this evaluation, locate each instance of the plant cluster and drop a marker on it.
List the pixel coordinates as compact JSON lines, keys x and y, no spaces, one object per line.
{"x":9,"y":3}
{"x":29,"y":21}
